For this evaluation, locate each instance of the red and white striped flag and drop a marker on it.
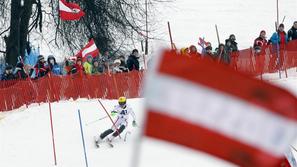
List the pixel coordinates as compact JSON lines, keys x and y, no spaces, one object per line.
{"x":70,"y":11}
{"x":210,"y":107}
{"x":89,"y":49}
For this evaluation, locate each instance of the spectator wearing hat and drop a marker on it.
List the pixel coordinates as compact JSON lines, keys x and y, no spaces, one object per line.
{"x":208,"y":53}
{"x":260,"y":42}
{"x":53,"y":66}
{"x":40,"y":69}
{"x":8,"y":73}
{"x":116,"y":66}
{"x":88,"y":65}
{"x":19,"y":71}
{"x":230,"y":44}
{"x":280,"y":37}
{"x":132,"y":62}
{"x":292,"y":33}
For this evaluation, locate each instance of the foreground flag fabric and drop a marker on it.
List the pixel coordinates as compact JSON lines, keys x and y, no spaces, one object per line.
{"x":70,"y":11}
{"x":89,"y":49}
{"x":210,"y":107}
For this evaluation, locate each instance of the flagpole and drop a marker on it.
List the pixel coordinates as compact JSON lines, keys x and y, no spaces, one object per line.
{"x":277,"y":12}
{"x":170,"y":35}
{"x":217,"y":31}
{"x":146,"y":29}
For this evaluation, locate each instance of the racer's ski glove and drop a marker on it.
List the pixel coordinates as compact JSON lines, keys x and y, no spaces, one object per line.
{"x":134,"y":124}
{"x":113,"y":113}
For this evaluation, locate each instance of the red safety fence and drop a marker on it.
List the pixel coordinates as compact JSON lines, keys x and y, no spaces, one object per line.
{"x":14,"y":94}
{"x":266,"y":61}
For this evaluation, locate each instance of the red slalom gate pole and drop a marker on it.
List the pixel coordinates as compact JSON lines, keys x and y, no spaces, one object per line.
{"x":52,"y":130}
{"x":109,"y":117}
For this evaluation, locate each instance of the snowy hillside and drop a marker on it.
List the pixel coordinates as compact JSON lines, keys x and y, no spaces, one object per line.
{"x":191,"y":19}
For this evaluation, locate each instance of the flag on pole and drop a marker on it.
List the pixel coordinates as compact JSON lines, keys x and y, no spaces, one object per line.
{"x":70,"y":11}
{"x":89,"y":49}
{"x":210,"y":107}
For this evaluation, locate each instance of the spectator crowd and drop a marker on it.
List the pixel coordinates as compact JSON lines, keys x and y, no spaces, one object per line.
{"x":222,"y":53}
{"x":36,"y":66}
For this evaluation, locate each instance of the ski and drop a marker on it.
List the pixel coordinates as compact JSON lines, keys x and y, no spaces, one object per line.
{"x":96,"y":142}
{"x":110,"y":144}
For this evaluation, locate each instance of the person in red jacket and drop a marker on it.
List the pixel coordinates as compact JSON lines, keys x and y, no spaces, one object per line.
{"x":40,"y":69}
{"x":78,"y":68}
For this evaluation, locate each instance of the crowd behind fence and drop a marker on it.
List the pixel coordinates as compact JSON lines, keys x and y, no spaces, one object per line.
{"x":16,"y":93}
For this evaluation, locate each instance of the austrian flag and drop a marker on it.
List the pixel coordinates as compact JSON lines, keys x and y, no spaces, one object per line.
{"x":70,"y":11}
{"x":89,"y":49}
{"x":209,"y":107}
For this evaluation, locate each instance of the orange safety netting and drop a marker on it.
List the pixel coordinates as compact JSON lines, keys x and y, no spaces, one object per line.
{"x":14,"y":94}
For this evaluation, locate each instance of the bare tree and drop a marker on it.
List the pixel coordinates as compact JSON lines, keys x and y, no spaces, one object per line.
{"x":114,"y":24}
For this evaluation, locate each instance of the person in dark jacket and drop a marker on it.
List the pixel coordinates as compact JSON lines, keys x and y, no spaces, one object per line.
{"x":19,"y":71}
{"x":230,"y":44}
{"x":292,"y":33}
{"x":96,"y":68}
{"x":132,"y":62}
{"x":222,"y":55}
{"x":8,"y":73}
{"x":260,"y":42}
{"x":53,"y":66}
{"x":40,"y":69}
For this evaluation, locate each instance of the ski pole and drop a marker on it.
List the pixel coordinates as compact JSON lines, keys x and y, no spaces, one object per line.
{"x":110,"y":118}
{"x":89,"y":123}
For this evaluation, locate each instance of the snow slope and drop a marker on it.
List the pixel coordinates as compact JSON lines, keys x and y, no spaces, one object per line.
{"x":25,"y":138}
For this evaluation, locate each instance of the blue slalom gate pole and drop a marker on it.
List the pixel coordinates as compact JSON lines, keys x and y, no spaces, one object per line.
{"x":83,"y":139}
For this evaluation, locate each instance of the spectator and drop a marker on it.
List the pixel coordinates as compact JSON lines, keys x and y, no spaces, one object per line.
{"x":222,"y":55}
{"x":209,"y":54}
{"x":292,"y":33}
{"x":230,"y":44}
{"x":40,"y":69}
{"x":19,"y":71}
{"x":123,"y":65}
{"x":260,"y":42}
{"x":31,"y":55}
{"x":96,"y":68}
{"x":280,"y":37}
{"x":184,"y":51}
{"x":116,"y":66}
{"x":132,"y":62}
{"x":68,"y":65}
{"x":53,"y":66}
{"x":77,"y":67}
{"x":8,"y":74}
{"x":88,"y":65}
{"x":193,"y":51}
{"x":203,"y":52}
{"x":104,"y":62}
